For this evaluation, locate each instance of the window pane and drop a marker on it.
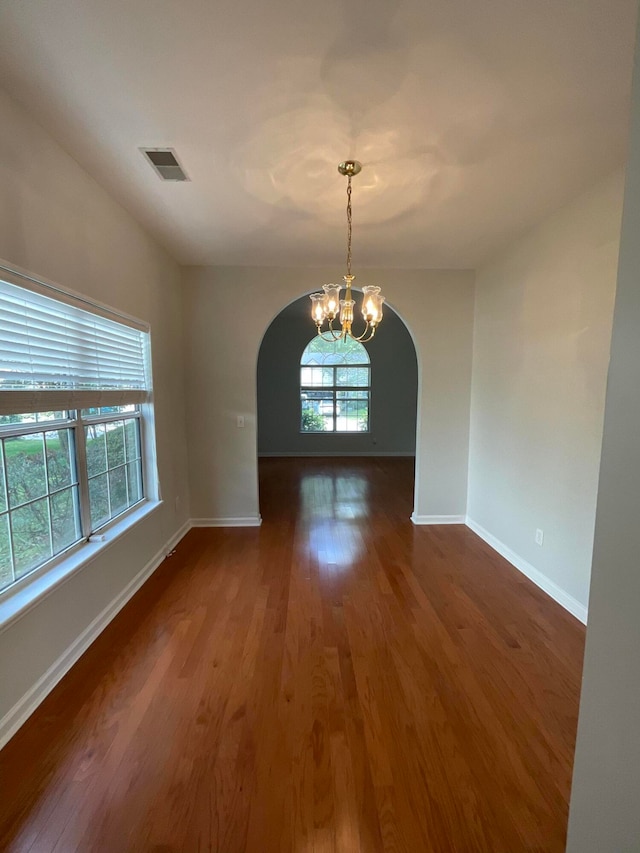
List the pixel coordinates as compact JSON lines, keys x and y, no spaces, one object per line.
{"x":358,"y":376}
{"x":64,"y":517}
{"x":312,"y":420}
{"x":316,"y":397}
{"x":354,"y":416}
{"x":356,"y":356}
{"x":99,"y":500}
{"x":118,"y":491}
{"x":3,"y":493}
{"x":320,"y":351}
{"x":115,"y":443}
{"x":108,"y":410}
{"x":26,"y":473}
{"x":132,"y":439}
{"x":327,"y":414}
{"x":96,"y":449}
{"x":6,"y":575}
{"x":316,"y":377}
{"x":59,"y":458}
{"x":31,"y":536}
{"x":347,"y":422}
{"x":362,"y":409}
{"x":33,"y":418}
{"x":320,"y":403}
{"x":120,"y":486}
{"x":134,"y":482}
{"x":43,"y":417}
{"x":352,"y":395}
{"x":326,"y":406}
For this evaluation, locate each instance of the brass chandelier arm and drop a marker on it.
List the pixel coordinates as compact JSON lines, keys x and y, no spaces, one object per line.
{"x":363,"y":339}
{"x":334,"y":336}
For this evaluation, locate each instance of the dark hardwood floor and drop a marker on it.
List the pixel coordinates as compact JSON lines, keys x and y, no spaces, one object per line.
{"x":337,"y":680}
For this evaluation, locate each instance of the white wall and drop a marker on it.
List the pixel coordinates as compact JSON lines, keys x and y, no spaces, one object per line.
{"x":227,"y":310}
{"x":56,"y":222}
{"x":605,"y":813}
{"x":543,"y":318}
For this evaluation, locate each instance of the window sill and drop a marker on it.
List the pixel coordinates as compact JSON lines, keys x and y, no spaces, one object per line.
{"x":17,"y":601}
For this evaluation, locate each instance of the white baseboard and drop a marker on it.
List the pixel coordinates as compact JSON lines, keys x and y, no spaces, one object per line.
{"x":437,"y":519}
{"x":330,"y":453}
{"x":244,"y":521}
{"x":28,"y":703}
{"x":182,"y":532}
{"x":539,"y":579}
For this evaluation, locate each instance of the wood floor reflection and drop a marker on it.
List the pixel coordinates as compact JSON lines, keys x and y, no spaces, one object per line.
{"x":337,"y":680}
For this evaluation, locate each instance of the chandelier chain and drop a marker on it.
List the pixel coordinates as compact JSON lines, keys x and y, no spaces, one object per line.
{"x":349,"y":226}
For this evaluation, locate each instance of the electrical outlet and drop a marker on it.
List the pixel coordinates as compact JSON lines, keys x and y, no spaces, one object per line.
{"x":240,"y":422}
{"x":539,"y":536}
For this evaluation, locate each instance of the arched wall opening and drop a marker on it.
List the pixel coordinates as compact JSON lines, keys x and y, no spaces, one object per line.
{"x":436,"y":307}
{"x":393,"y":398}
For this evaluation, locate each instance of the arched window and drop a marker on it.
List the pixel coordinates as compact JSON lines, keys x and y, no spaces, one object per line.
{"x":335,"y":383}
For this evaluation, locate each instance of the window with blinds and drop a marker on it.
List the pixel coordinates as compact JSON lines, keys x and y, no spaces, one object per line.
{"x":72,"y":354}
{"x":74,"y":384}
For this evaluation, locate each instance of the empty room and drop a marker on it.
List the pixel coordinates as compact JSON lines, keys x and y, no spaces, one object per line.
{"x":319,"y":405}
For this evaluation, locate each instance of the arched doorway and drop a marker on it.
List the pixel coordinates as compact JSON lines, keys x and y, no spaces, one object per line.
{"x":386,"y":426}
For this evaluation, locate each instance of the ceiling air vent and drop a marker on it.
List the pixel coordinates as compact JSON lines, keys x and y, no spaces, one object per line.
{"x":165,"y":163}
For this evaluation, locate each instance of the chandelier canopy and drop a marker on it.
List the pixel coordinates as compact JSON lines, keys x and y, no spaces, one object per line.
{"x":326,"y":306}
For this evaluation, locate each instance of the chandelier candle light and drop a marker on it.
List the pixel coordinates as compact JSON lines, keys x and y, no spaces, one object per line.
{"x":324,"y":306}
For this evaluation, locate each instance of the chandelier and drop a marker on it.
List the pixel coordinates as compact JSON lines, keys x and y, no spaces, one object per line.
{"x":324,"y":306}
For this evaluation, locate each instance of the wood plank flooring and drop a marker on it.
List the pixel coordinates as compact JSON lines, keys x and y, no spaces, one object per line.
{"x":337,"y":680}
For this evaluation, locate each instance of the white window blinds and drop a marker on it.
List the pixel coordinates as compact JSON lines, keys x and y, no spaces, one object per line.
{"x":54,"y":355}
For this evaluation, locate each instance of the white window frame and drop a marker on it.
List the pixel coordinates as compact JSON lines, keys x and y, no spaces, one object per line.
{"x":23,"y":592}
{"x":333,"y":389}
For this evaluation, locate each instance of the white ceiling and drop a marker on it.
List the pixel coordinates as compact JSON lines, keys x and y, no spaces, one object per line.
{"x":473,"y":118}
